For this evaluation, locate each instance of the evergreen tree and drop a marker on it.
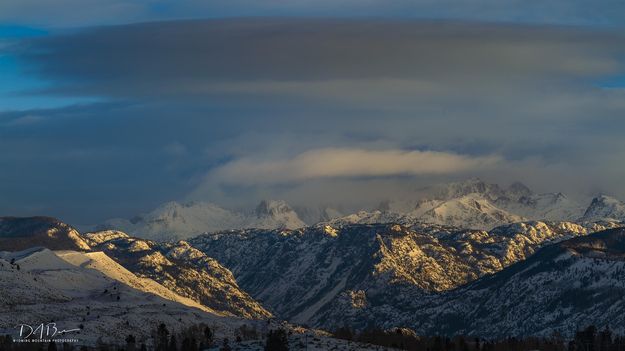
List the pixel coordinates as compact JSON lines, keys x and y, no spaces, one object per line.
{"x":226,"y":345}
{"x":130,"y":343}
{"x":277,"y":340}
{"x":344,"y":333}
{"x":6,"y":342}
{"x":189,"y":344}
{"x":162,"y":336}
{"x":208,"y":336}
{"x":605,"y":339}
{"x":173,"y":345}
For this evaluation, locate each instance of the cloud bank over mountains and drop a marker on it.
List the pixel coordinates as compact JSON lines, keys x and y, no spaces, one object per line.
{"x":233,"y":110}
{"x":346,"y":163}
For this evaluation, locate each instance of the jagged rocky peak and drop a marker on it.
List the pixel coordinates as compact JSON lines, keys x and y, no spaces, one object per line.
{"x":174,"y":220}
{"x":276,"y":214}
{"x":313,"y":215}
{"x":605,"y":207}
{"x":493,"y":192}
{"x":519,"y":190}
{"x":384,"y":206}
{"x":176,"y":210}
{"x":471,"y":186}
{"x":271,"y":208}
{"x":20,"y":233}
{"x":97,"y":238}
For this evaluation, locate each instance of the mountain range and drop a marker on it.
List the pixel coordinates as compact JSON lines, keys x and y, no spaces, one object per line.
{"x":561,"y":288}
{"x":428,"y":278}
{"x":101,"y":287}
{"x":310,"y":275}
{"x":469,"y":204}
{"x":173,"y":220}
{"x":468,"y":258}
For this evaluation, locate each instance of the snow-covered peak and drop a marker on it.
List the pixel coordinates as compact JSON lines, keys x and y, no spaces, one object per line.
{"x":315,"y":214}
{"x":172,"y":208}
{"x":460,"y":189}
{"x":474,"y":204}
{"x":518,"y":190}
{"x":273,"y":208}
{"x":276,"y":214}
{"x":174,"y":220}
{"x":548,"y":206}
{"x":604,"y":207}
{"x":469,"y":211}
{"x":493,"y":192}
{"x":472,"y":210}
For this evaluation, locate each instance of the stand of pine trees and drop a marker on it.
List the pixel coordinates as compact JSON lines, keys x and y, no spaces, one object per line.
{"x":588,"y":339}
{"x":201,"y":337}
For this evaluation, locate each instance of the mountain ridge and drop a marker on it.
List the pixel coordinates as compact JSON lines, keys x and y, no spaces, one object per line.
{"x":471,"y":204}
{"x":301,"y":274}
{"x":173,"y":220}
{"x":176,"y":266}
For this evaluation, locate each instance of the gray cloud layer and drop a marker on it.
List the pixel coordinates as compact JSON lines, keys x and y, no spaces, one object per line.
{"x":199,"y":57}
{"x":93,"y":12}
{"x":194,"y":101}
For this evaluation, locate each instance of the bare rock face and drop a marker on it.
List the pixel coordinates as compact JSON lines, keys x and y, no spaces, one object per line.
{"x":181,"y":268}
{"x":321,"y":274}
{"x":605,"y":208}
{"x":580,"y":281}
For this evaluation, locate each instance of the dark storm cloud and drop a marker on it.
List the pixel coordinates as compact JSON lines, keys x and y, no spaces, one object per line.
{"x":383,"y":78}
{"x":210,"y":110}
{"x":200,"y":57}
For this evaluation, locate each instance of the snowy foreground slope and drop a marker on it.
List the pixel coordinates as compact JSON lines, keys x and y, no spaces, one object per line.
{"x":107,"y":303}
{"x":306,"y":275}
{"x":178,"y":267}
{"x":99,"y":300}
{"x":181,"y":268}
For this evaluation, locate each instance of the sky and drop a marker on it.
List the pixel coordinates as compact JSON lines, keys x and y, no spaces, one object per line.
{"x":111,"y":107}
